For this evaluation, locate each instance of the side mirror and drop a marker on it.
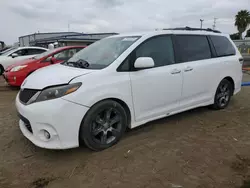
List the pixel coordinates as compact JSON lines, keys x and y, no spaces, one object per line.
{"x":14,"y":55}
{"x":144,"y":62}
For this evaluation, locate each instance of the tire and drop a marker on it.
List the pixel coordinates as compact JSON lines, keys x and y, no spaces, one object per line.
{"x":103,"y":126}
{"x":223,"y":95}
{"x":1,"y":70}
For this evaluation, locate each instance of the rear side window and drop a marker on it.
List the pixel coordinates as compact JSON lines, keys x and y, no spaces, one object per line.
{"x":223,"y":46}
{"x":34,"y":51}
{"x":192,"y":47}
{"x":159,"y":48}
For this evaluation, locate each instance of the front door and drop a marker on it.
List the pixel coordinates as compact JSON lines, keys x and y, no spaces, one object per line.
{"x":156,"y":91}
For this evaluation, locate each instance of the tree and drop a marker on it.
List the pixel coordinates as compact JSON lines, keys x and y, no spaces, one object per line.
{"x":242,"y":21}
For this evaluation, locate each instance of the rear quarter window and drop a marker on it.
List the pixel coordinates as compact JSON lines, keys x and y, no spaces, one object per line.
{"x":223,"y":46}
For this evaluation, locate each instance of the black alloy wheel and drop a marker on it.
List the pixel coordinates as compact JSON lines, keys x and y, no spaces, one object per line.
{"x":107,"y":126}
{"x":223,"y":94}
{"x":103,"y":125}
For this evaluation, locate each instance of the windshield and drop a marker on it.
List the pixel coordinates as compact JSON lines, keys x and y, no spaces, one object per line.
{"x":39,"y":56}
{"x":102,"y":53}
{"x":5,"y":52}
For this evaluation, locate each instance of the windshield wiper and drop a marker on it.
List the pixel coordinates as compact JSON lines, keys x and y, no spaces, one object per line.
{"x":83,"y":63}
{"x":79,"y":64}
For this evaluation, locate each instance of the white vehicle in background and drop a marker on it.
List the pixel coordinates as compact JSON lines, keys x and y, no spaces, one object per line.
{"x":12,"y":55}
{"x":124,"y":81}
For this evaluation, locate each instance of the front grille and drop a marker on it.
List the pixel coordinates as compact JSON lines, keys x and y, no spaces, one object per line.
{"x":26,"y":94}
{"x":26,"y":123}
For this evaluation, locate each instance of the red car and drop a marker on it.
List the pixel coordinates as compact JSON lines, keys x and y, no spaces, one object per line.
{"x":15,"y":74}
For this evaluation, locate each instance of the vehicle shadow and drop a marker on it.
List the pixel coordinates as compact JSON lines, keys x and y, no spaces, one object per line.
{"x":143,"y":129}
{"x":166,"y":120}
{"x":8,"y":88}
{"x":171,"y":122}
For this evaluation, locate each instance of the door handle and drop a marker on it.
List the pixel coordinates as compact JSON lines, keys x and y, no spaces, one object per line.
{"x":188,"y":69}
{"x":175,"y":71}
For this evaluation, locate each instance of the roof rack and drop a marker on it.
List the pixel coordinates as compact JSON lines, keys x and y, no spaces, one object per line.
{"x":193,"y":29}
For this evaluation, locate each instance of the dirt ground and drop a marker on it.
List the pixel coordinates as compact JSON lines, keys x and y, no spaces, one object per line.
{"x":200,"y":148}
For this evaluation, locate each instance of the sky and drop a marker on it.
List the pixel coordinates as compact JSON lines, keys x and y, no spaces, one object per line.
{"x":22,"y":17}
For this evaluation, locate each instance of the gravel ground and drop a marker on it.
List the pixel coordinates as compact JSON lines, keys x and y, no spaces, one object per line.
{"x":200,"y":148}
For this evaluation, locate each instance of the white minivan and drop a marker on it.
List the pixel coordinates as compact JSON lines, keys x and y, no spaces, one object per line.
{"x":124,"y":81}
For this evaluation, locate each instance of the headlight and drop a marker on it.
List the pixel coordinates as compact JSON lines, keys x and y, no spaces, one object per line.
{"x":56,"y":92}
{"x":18,"y":68}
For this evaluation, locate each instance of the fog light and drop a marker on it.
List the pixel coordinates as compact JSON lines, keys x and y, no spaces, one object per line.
{"x":14,"y":78}
{"x":46,"y":134}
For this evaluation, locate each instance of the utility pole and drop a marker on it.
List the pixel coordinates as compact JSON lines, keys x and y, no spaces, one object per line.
{"x":214,"y":26}
{"x":201,"y":22}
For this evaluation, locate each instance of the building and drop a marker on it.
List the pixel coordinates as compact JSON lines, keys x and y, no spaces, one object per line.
{"x":28,"y":39}
{"x":62,"y":38}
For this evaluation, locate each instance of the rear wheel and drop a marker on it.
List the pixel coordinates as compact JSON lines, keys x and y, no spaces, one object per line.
{"x":223,"y":94}
{"x":104,"y":125}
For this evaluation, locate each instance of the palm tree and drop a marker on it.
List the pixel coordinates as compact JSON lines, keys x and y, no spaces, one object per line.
{"x":242,"y":21}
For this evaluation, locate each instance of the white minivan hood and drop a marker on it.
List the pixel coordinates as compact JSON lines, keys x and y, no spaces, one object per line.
{"x":53,"y":75}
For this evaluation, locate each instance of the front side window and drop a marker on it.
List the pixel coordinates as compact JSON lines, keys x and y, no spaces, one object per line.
{"x":192,"y":47}
{"x":101,"y":53}
{"x":39,"y":56}
{"x":66,"y":54}
{"x":223,"y":46}
{"x":22,"y":52}
{"x":7,"y":51}
{"x":73,"y":51}
{"x":159,"y":48}
{"x":63,"y":55}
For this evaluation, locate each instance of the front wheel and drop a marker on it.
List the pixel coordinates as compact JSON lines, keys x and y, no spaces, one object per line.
{"x":104,"y":125}
{"x":223,"y":94}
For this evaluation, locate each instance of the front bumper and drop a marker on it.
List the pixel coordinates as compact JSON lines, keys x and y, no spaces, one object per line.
{"x":4,"y":76}
{"x":14,"y":78}
{"x":60,"y":118}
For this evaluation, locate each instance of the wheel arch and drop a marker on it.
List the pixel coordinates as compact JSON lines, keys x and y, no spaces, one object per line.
{"x":126,"y":108}
{"x":121,"y":102}
{"x":230,"y":79}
